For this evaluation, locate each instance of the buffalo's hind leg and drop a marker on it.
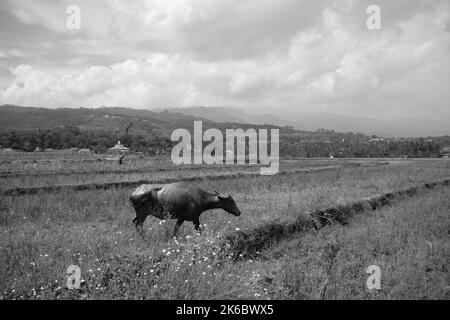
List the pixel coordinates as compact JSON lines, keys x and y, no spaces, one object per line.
{"x":140,"y":218}
{"x":138,"y":224}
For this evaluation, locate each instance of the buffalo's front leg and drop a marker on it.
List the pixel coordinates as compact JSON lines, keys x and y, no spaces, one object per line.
{"x":196,"y":223}
{"x":177,"y":225}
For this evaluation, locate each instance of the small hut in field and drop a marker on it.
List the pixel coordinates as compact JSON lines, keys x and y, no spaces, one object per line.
{"x":118,"y":149}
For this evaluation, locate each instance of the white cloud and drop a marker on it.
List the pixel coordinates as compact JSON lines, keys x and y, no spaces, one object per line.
{"x":292,"y":54}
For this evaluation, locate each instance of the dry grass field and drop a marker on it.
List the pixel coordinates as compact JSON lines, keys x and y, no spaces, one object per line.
{"x":42,"y":234}
{"x":58,"y":173}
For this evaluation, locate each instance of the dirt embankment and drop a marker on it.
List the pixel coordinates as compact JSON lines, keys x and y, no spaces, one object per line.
{"x":247,"y":244}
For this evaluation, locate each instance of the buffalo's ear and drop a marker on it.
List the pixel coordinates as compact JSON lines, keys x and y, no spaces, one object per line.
{"x":223,"y":197}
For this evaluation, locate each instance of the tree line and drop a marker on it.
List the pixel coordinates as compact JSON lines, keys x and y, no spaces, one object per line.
{"x":72,"y":137}
{"x":411,"y":148}
{"x":321,"y":143}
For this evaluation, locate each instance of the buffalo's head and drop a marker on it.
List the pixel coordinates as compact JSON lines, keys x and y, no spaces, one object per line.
{"x":227,"y":203}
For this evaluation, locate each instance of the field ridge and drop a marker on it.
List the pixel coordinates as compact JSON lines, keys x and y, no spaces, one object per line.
{"x":247,"y":244}
{"x":106,"y":171}
{"x":109,"y":185}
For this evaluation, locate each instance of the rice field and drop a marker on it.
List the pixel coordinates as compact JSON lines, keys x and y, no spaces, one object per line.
{"x":42,"y":234}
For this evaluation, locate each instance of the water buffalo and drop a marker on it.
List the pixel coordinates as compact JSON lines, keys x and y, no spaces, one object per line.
{"x":179,"y":200}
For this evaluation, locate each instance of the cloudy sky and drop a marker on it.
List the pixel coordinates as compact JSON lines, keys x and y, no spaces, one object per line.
{"x":285,"y":54}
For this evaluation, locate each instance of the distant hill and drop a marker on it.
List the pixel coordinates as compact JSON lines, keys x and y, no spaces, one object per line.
{"x":110,"y":119}
{"x":230,"y":114}
{"x":311,"y":121}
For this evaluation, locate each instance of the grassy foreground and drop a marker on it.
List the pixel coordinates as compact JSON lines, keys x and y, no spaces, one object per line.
{"x":42,"y":235}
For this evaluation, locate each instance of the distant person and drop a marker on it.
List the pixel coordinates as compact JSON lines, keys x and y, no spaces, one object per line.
{"x":121,"y":158}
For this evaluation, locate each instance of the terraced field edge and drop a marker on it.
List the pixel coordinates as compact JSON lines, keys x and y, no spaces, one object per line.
{"x":247,"y":244}
{"x":104,"y":186}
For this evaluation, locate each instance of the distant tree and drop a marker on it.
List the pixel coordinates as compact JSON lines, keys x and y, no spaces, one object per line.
{"x":126,"y":126}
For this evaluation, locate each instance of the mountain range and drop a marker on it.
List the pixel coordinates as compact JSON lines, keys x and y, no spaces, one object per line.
{"x":108,"y":119}
{"x":311,"y":121}
{"x":164,"y":121}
